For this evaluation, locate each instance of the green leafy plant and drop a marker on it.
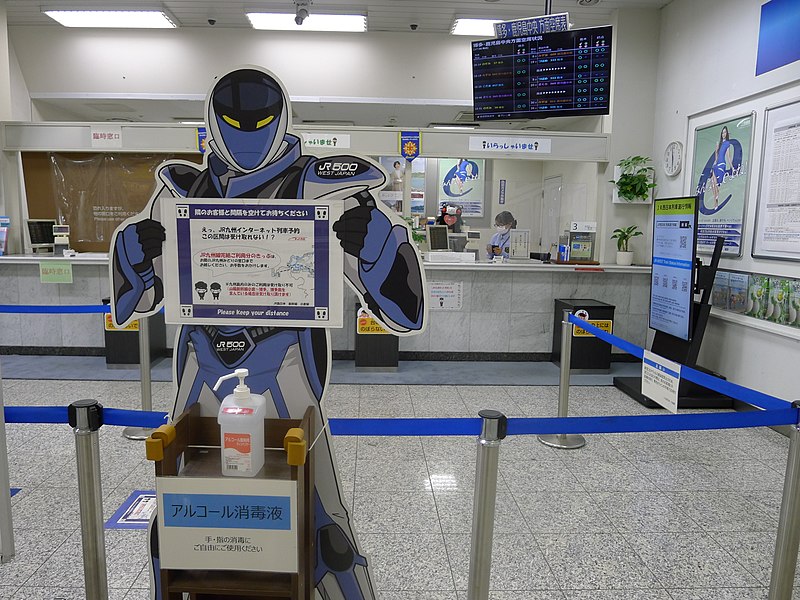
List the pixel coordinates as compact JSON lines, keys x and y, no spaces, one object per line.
{"x":416,"y":235}
{"x":623,"y":236}
{"x":636,"y":178}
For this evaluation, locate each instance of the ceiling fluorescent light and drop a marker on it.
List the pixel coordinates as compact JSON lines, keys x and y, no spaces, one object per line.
{"x":197,"y":122}
{"x":313,"y":22}
{"x":134,"y":19}
{"x":476,"y":27}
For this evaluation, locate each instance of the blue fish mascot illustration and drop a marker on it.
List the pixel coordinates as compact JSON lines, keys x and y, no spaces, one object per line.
{"x":251,"y":155}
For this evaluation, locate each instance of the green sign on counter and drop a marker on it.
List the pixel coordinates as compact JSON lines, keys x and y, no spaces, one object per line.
{"x":55,"y":272}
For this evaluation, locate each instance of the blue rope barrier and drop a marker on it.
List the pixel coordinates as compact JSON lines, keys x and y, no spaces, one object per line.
{"x":470,"y":426}
{"x":69,"y":309}
{"x":546,"y":425}
{"x":733,"y":390}
{"x":36,"y":414}
{"x":402,"y":427}
{"x":133,"y":418}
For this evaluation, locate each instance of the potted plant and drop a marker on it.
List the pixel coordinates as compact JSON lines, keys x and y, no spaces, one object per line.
{"x":623,"y":236}
{"x":634,"y":179}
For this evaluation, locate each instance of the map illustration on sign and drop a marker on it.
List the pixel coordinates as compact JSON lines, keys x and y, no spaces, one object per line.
{"x":256,"y":263}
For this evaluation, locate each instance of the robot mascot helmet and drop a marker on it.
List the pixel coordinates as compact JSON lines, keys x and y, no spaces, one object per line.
{"x":247,"y":118}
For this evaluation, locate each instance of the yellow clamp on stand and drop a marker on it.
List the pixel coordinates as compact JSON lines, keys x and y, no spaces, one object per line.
{"x":294,"y":443}
{"x":158,"y":440}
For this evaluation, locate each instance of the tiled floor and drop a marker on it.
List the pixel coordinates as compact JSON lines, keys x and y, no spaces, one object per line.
{"x":680,"y":516}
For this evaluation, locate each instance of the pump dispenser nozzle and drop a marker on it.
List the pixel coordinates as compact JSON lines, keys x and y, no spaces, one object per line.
{"x":241,"y":390}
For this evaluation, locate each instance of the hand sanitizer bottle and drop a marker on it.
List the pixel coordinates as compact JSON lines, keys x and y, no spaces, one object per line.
{"x":241,"y":423}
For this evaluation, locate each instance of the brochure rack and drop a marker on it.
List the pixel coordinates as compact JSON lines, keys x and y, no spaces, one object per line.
{"x":280,"y":531}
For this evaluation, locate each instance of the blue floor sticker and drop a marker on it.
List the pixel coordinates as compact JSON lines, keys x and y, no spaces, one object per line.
{"x":135,"y":512}
{"x":15,"y":491}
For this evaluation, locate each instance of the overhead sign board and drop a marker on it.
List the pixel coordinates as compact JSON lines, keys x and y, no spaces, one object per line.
{"x":531,"y":26}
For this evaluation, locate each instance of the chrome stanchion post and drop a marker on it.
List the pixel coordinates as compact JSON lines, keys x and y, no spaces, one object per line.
{"x":142,"y":433}
{"x":781,"y":584}
{"x":86,"y":418}
{"x":561,"y":440}
{"x":480,"y":555}
{"x":6,"y":525}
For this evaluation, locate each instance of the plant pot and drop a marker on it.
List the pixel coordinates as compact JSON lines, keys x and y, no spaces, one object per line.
{"x":624,"y":259}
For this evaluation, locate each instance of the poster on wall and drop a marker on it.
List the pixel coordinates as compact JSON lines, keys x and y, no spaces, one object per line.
{"x":446,"y":295}
{"x":720,"y":175}
{"x":417,"y":186}
{"x":461,"y":182}
{"x":777,"y":230}
{"x":392,"y":194}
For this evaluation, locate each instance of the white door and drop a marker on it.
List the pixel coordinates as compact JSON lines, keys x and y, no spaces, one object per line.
{"x":551,"y":211}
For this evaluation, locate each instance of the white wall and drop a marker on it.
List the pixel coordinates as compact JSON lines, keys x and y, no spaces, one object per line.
{"x":706,"y":72}
{"x":183,"y":61}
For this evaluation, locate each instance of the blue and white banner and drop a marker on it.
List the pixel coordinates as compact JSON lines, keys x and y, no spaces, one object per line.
{"x":410,"y":144}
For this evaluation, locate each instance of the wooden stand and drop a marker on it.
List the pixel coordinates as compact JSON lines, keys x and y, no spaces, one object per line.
{"x":196,"y":440}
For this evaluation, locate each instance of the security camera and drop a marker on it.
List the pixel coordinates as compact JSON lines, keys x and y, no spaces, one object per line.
{"x":302,"y":15}
{"x":212,"y":21}
{"x":413,"y":26}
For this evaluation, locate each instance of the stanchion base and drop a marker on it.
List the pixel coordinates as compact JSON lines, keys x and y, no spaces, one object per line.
{"x":136,"y":433}
{"x":563,"y":441}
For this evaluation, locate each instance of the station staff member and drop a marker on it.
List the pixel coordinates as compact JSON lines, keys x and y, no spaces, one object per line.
{"x":504,"y":222}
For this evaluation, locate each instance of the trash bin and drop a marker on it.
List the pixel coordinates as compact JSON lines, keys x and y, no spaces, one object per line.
{"x":589,"y":354}
{"x":376,"y":348}
{"x":122,"y":345}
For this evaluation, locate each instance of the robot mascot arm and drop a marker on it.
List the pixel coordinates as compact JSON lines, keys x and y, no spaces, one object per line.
{"x":380,"y":262}
{"x":137,"y":287}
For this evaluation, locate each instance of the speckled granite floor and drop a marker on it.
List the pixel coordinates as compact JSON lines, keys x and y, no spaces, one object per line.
{"x":408,"y":373}
{"x":669,"y":516}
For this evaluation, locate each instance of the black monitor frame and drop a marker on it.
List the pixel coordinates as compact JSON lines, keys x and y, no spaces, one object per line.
{"x":545,"y":113}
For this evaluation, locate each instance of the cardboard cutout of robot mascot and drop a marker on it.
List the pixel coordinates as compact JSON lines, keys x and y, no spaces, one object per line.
{"x":251,"y":155}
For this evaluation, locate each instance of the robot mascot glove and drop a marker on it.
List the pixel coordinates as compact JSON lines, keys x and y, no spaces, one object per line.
{"x":138,"y":245}
{"x":384,"y":256}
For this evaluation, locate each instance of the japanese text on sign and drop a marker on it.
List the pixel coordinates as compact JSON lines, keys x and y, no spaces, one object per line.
{"x":253,"y":263}
{"x":217,"y":510}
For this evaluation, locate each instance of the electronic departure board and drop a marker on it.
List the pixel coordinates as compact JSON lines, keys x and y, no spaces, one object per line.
{"x":557,"y":74}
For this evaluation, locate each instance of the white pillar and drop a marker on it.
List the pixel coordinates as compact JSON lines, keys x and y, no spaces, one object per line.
{"x":5,"y":66}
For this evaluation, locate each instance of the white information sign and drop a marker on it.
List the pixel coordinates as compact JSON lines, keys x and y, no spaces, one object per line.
{"x":777,"y":232}
{"x":515,"y":145}
{"x":660,"y":379}
{"x":583,"y":226}
{"x":520,"y":244}
{"x":106,"y":136}
{"x":227,"y":524}
{"x":266,"y":263}
{"x":446,"y":295}
{"x":331,"y":141}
